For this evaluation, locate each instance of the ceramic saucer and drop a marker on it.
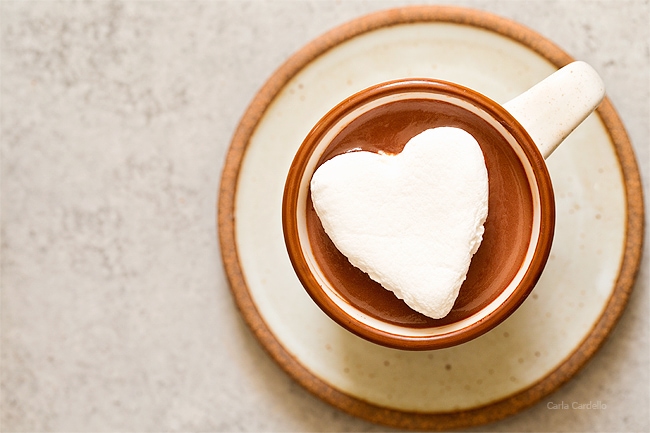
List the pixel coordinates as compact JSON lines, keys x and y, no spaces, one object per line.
{"x":583,"y":290}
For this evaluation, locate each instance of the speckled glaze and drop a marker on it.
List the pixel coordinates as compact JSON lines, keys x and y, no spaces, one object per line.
{"x":553,"y":108}
{"x":508,"y":293}
{"x":579,"y":298}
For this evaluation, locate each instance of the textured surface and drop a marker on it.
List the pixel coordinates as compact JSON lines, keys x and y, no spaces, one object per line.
{"x":116,"y":117}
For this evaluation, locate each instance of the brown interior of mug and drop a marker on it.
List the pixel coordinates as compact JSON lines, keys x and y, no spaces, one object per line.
{"x":509,"y":228}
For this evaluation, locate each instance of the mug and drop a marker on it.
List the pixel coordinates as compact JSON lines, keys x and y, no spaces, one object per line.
{"x":515,"y":139}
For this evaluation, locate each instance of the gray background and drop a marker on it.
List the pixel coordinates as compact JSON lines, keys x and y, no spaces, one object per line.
{"x":116,"y":117}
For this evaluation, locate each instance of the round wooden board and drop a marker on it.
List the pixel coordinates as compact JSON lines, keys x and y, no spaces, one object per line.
{"x":380,"y":413}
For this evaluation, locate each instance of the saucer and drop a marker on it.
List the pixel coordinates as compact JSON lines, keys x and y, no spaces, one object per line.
{"x":579,"y":298}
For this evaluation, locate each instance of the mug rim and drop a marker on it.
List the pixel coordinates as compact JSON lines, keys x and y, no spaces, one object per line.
{"x":290,"y":220}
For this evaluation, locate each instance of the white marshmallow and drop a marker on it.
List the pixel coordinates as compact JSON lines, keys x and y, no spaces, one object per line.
{"x":411,"y":221}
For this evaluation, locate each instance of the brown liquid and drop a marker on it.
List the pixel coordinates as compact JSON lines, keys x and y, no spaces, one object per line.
{"x":507,"y":228}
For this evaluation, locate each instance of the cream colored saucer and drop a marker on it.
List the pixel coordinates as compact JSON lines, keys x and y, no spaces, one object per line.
{"x":580,"y":296}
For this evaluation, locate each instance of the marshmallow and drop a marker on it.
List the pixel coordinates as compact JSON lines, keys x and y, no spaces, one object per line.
{"x":411,"y":221}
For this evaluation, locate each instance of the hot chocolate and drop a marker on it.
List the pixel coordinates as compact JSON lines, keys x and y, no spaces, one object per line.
{"x":507,"y":229}
{"x":514,"y":138}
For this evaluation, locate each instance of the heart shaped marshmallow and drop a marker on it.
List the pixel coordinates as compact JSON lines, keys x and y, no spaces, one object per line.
{"x":411,"y":221}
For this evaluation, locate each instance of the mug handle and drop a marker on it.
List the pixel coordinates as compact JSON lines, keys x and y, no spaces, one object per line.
{"x":550,"y":110}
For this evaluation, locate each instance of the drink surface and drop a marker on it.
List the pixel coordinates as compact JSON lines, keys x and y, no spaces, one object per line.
{"x":507,"y":228}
